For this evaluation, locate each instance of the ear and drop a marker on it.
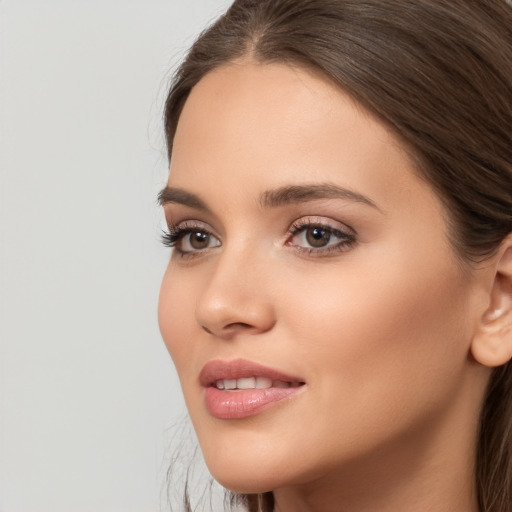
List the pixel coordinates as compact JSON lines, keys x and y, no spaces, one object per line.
{"x":492,"y":342}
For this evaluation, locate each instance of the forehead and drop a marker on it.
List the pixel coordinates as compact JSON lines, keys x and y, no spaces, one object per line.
{"x":263,"y":126}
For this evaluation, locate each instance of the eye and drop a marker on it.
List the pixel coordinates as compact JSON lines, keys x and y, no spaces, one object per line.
{"x":188,"y":240}
{"x":318,"y":237}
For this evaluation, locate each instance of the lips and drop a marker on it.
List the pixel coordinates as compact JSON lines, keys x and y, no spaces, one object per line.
{"x":238,"y":389}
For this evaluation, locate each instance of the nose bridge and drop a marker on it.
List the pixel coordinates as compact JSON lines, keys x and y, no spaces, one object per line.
{"x":236,"y":296}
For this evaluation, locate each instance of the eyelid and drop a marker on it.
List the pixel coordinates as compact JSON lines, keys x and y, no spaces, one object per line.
{"x":327,"y":222}
{"x":190,"y":224}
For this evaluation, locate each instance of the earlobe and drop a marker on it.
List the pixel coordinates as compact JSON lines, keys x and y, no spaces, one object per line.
{"x":492,"y":343}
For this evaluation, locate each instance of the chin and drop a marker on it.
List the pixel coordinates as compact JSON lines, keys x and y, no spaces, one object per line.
{"x":258,"y":468}
{"x":241,"y":470}
{"x":243,"y":466}
{"x":246,"y":480}
{"x":244,"y":486}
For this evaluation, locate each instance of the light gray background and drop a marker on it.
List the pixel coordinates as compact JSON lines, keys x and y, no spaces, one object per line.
{"x":87,"y":389}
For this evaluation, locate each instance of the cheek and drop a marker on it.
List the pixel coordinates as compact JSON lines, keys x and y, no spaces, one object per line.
{"x":180,"y":331}
{"x":175,"y":314}
{"x":381,"y":339}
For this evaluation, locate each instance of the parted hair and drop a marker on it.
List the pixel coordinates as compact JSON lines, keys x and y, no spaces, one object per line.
{"x":438,"y":73}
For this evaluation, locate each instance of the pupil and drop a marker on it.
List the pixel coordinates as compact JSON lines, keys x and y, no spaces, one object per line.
{"x":317,"y":237}
{"x":199,"y":240}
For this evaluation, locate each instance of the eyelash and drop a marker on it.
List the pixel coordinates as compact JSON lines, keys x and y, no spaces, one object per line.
{"x":171,"y":237}
{"x":176,"y":234}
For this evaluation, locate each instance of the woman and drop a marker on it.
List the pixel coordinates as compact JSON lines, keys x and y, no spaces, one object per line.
{"x":338,"y":303}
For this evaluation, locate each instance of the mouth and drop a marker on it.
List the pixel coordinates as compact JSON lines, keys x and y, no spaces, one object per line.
{"x":254,"y":383}
{"x":242,"y":374}
{"x":239,"y":389}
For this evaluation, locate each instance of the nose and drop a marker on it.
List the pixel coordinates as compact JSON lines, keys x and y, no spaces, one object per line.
{"x":237,"y":298}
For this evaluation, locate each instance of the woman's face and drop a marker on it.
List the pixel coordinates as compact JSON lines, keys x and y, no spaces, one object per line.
{"x":310,"y":262}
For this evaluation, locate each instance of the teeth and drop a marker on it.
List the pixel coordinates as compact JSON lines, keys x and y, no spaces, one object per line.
{"x":263,"y":383}
{"x":253,"y":383}
{"x":246,"y":383}
{"x":229,"y":383}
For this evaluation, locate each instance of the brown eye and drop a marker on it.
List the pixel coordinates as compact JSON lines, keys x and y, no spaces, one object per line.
{"x":199,"y":240}
{"x":195,"y":240}
{"x":317,"y":236}
{"x":320,"y":239}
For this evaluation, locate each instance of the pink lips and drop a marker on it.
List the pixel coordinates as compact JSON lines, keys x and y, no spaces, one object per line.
{"x":241,"y":403}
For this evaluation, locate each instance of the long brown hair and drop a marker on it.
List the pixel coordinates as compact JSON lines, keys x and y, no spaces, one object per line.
{"x":439,"y":74}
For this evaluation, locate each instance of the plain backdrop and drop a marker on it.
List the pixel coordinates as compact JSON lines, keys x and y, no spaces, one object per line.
{"x":88,"y":395}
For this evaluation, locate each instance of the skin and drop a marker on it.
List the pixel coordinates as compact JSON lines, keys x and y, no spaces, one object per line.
{"x":380,"y":330}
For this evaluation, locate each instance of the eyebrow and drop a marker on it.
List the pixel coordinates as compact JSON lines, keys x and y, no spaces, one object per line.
{"x":179,"y":196}
{"x":299,"y":193}
{"x":282,"y":196}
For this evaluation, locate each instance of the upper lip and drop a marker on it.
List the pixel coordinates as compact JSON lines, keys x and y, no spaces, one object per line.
{"x":238,"y":369}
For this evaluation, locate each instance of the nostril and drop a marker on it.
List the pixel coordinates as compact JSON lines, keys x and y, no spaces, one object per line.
{"x":229,"y":329}
{"x":238,"y":325}
{"x":206,"y":329}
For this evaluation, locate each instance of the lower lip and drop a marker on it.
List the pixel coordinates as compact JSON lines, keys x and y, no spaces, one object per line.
{"x":231,"y":405}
